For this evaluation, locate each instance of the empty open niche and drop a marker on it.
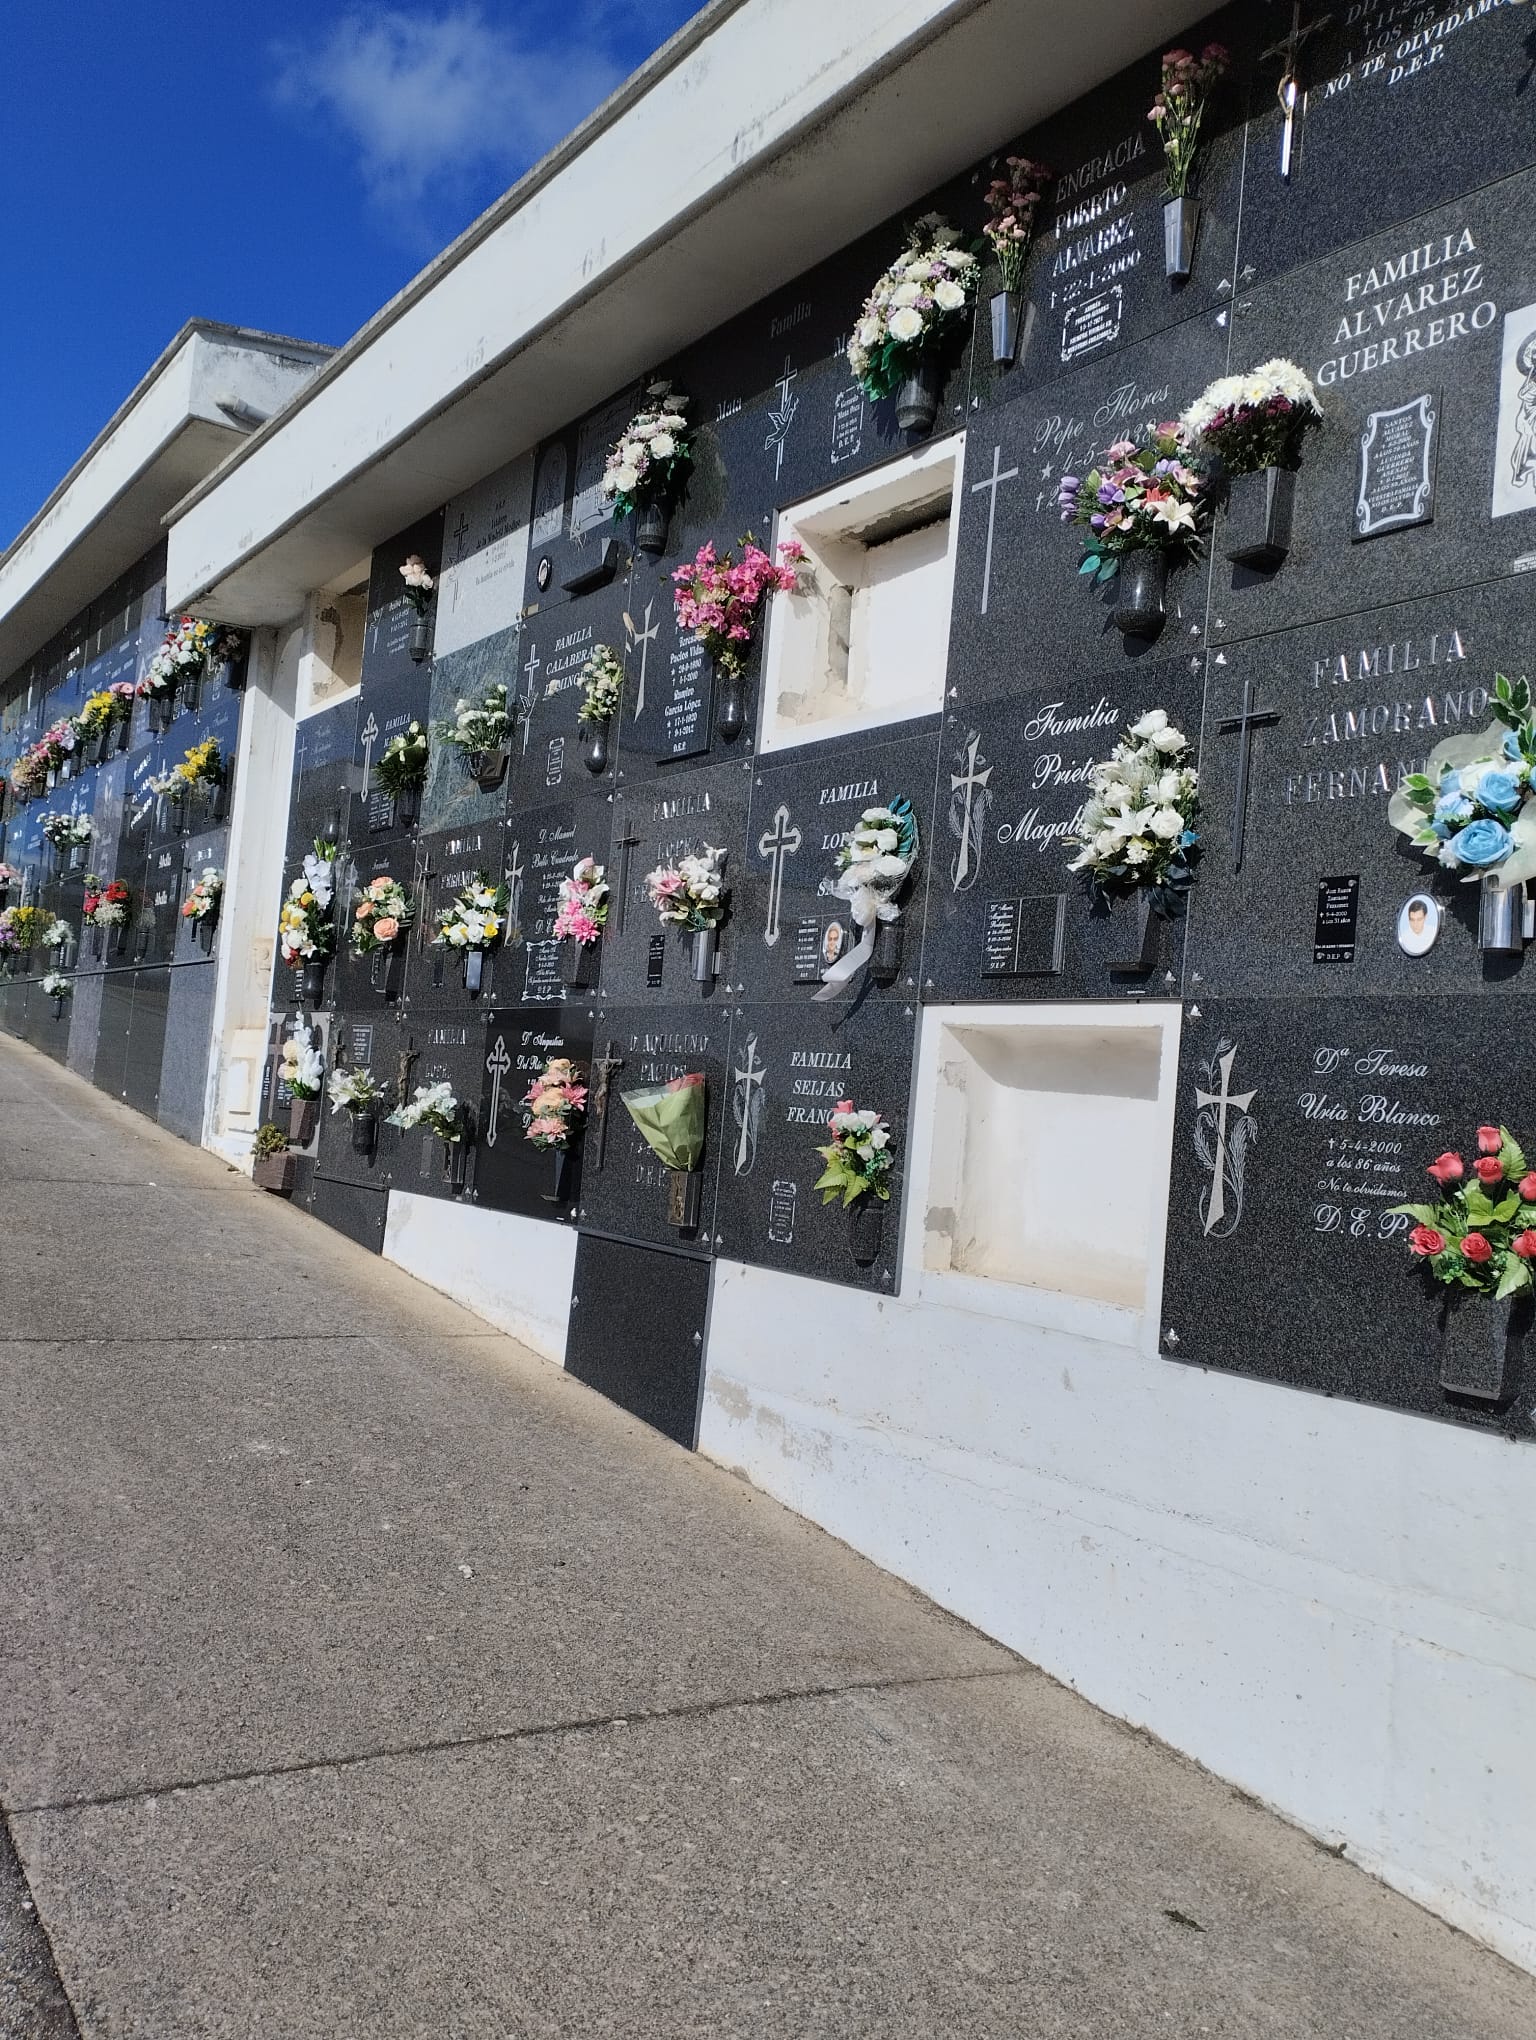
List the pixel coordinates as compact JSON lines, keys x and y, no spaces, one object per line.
{"x":866,"y":641}
{"x":1050,"y":1149}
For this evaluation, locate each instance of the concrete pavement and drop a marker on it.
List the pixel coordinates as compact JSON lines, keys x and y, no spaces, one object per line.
{"x":360,"y":1674}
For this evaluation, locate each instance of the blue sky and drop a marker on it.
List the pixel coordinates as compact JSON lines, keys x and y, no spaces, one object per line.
{"x":287,"y":166}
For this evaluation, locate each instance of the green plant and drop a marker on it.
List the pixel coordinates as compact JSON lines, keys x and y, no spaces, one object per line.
{"x":270,"y":1140}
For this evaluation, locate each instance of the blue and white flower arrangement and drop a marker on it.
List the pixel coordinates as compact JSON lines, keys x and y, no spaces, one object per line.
{"x":1471,"y":807}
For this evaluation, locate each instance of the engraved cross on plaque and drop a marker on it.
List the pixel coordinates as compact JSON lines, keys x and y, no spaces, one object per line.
{"x":531,"y":669}
{"x":992,"y":482}
{"x":776,"y":844}
{"x":1250,"y":720}
{"x":627,"y":842}
{"x":370,"y":736}
{"x":514,"y":875}
{"x":642,"y":638}
{"x":970,"y":779}
{"x":1288,"y":92}
{"x":782,"y":418}
{"x":748,"y":1078}
{"x":602,"y":1071}
{"x":498,"y":1062}
{"x":459,"y":532}
{"x":1223,"y":1100}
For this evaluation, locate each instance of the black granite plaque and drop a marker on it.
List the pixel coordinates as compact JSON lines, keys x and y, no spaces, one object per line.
{"x":658,"y":821}
{"x":511,"y":1173}
{"x":391,"y":618}
{"x":1397,"y":467}
{"x":650,"y":1361}
{"x":1338,"y":913}
{"x":1023,"y":938}
{"x":439,"y":866}
{"x":655,"y":962}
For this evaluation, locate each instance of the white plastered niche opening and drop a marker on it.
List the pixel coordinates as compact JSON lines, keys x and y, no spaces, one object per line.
{"x":333,"y":663}
{"x":1043,"y":1159}
{"x":866,"y":641}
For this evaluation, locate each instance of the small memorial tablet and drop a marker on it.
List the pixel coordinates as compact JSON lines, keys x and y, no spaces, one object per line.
{"x":1397,"y":468}
{"x":807,"y":952}
{"x":1024,"y":938}
{"x":543,"y":981}
{"x":655,"y":962}
{"x":687,"y":703}
{"x":1338,"y":911}
{"x":381,"y":810}
{"x":361,"y":1040}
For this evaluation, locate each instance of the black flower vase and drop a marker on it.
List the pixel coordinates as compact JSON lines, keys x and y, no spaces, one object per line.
{"x":365,"y":1131}
{"x":407,"y":804}
{"x":866,"y":1225}
{"x":312,"y":980}
{"x":421,"y":636}
{"x":917,"y":399}
{"x":1141,"y":592}
{"x":651,"y":528}
{"x":1482,"y":1341}
{"x":594,"y":752}
{"x":488,"y":768}
{"x":560,"y":1175}
{"x":1260,"y":509}
{"x":578,"y":964}
{"x":885,"y":961}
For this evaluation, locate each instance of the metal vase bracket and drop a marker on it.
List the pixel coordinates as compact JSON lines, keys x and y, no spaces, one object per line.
{"x":1181,"y":222}
{"x":1482,"y":1341}
{"x":559,"y":1191}
{"x":651,"y":527}
{"x":917,"y":399}
{"x":474,"y":971}
{"x":706,"y":960}
{"x":489,"y":768}
{"x":1260,"y":510}
{"x":866,"y":1227}
{"x":594,"y":752}
{"x":421,"y":636}
{"x":685,"y":1193}
{"x":1141,"y":598}
{"x":456,"y":1162}
{"x":1502,"y":917}
{"x":1007,"y":313}
{"x":578,"y":964}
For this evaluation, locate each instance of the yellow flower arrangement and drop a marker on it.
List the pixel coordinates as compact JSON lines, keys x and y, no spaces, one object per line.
{"x":98,"y":711}
{"x":202,"y":762}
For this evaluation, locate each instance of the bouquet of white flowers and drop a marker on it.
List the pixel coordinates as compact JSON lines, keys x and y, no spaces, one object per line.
{"x":65,"y":832}
{"x":477,"y":918}
{"x":303,"y":1066}
{"x":352,"y":1089}
{"x":482,"y":725}
{"x":1257,"y":420}
{"x":691,"y":892}
{"x":434,"y":1106}
{"x":924,"y":294}
{"x":1137,"y":827}
{"x":650,"y":460}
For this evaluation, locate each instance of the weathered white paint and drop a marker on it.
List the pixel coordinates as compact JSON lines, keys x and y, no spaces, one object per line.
{"x":768,"y":135}
{"x":1330,"y":1605}
{"x":514,"y":1272}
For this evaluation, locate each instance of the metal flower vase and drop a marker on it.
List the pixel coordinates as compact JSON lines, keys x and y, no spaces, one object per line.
{"x":474,"y":971}
{"x":578,"y":964}
{"x":1007,"y":314}
{"x":866,"y":1228}
{"x":456,"y":1161}
{"x":706,"y":960}
{"x":731,"y":705}
{"x":1482,"y":1342}
{"x":885,"y":959}
{"x":1501,"y":917}
{"x":559,"y":1181}
{"x":488,"y":768}
{"x":685,"y":1194}
{"x":1181,"y":222}
{"x":1141,"y":592}
{"x":58,"y":1005}
{"x":651,"y":527}
{"x":312,"y":980}
{"x":365,"y":1131}
{"x":1260,"y":510}
{"x":77,"y":857}
{"x":421,"y":636}
{"x":594,"y":752}
{"x":917,"y":399}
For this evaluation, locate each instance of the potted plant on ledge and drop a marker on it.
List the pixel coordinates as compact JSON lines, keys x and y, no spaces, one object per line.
{"x":692,"y":894}
{"x":1140,"y":507}
{"x":552,"y":1113}
{"x":858,"y":1172}
{"x":1476,"y":1243}
{"x":1255,"y":425}
{"x":647,"y":466}
{"x":273,"y":1167}
{"x":912,"y":312}
{"x":480,"y":732}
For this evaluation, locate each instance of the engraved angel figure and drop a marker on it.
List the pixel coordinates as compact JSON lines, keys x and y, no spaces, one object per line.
{"x":1522,"y":459}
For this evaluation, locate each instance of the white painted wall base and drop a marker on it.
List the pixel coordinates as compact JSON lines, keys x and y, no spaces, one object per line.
{"x":1332,"y":1606}
{"x":514,"y":1272}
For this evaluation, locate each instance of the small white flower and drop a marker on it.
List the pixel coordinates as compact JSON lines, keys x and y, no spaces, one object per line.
{"x":1154,"y":720}
{"x":1167,"y":825}
{"x":948,"y":297}
{"x":663,"y":446}
{"x":906,"y":324}
{"x":1170,"y":741}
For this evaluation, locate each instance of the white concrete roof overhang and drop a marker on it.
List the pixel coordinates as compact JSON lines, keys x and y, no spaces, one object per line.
{"x":184,"y":417}
{"x":764,"y":136}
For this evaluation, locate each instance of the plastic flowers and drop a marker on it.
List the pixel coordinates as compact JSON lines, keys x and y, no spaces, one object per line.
{"x":305,"y":928}
{"x":203,"y":900}
{"x":190,"y":645}
{"x":106,"y":906}
{"x":58,"y":934}
{"x":303,"y":1065}
{"x":477,"y":918}
{"x":418,"y":584}
{"x":553,"y":1105}
{"x":602,"y":683}
{"x":873,"y":865}
{"x":1178,"y":109}
{"x":482,"y":725}
{"x":1471,"y":806}
{"x":1138,"y":825}
{"x":583,"y":903}
{"x":403,"y":764}
{"x":382,"y":913}
{"x":1012,"y":201}
{"x":690,"y":893}
{"x":1481,"y":1234}
{"x":719,"y":598}
{"x":671,"y":1119}
{"x":66,"y":832}
{"x":1143,"y":494}
{"x":648,"y":463}
{"x":202,"y":764}
{"x":352,"y":1090}
{"x":858,"y":1157}
{"x":920,"y":298}
{"x":435,"y":1107}
{"x":58,"y":986}
{"x":1257,"y":420}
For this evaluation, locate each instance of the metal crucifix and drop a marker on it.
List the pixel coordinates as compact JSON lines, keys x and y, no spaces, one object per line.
{"x":1288,"y":92}
{"x":1245,"y":724}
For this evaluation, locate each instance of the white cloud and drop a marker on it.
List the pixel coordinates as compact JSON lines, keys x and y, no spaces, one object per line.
{"x":434,"y":103}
